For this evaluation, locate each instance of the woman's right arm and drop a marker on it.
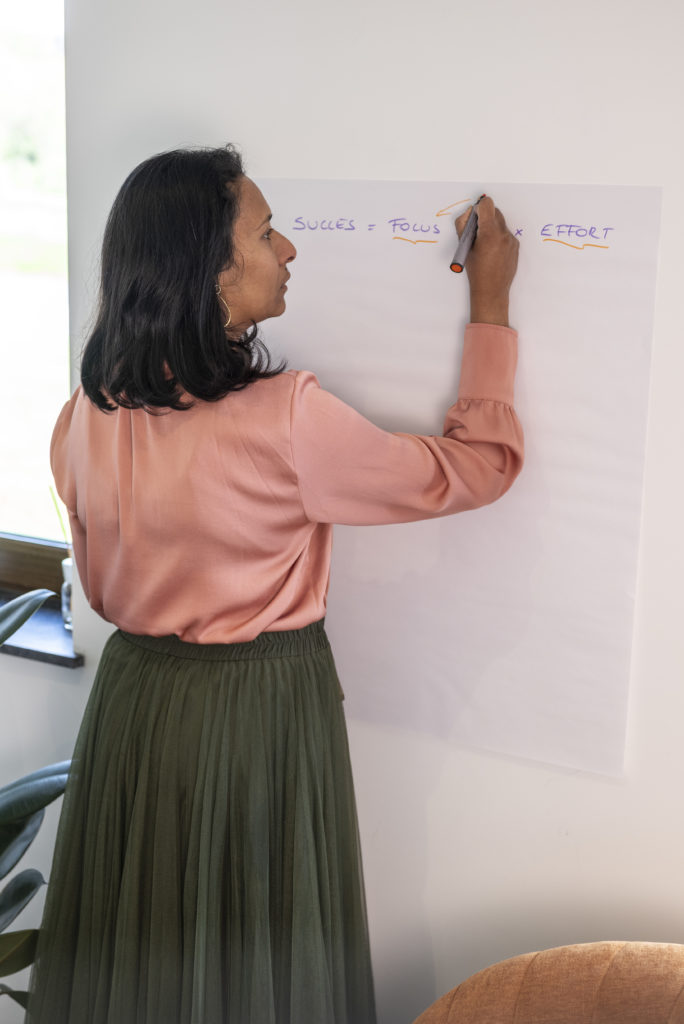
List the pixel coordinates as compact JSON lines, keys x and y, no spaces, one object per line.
{"x":350,"y":471}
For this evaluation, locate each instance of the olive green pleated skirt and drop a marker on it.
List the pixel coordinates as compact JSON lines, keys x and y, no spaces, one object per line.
{"x":207,"y":866}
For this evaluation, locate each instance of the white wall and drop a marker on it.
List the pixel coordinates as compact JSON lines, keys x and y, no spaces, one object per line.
{"x":469,"y":857}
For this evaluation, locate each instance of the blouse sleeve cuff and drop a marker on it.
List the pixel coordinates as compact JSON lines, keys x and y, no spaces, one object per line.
{"x":490,"y":355}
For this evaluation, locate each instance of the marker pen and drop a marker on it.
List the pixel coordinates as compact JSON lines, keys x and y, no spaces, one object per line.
{"x":465,"y":241}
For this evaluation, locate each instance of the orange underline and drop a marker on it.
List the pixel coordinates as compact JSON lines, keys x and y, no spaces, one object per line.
{"x":415,"y":241}
{"x":591,"y":245}
{"x":445,"y":210}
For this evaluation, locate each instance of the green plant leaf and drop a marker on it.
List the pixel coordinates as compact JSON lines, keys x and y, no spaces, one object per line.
{"x":17,"y":894}
{"x":14,"y":613}
{"x":17,"y":951}
{"x":15,"y":839}
{"x":27,"y":795}
{"x":18,"y":997}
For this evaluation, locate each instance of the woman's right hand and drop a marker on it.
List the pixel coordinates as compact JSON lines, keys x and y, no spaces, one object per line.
{"x":490,"y":265}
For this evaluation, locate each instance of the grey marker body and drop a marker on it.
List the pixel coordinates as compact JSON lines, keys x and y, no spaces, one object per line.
{"x":465,"y":241}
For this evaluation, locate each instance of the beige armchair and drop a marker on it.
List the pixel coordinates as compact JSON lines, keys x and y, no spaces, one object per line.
{"x":592,"y":983}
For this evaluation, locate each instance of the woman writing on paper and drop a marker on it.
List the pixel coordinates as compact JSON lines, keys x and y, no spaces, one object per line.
{"x":208,"y":865}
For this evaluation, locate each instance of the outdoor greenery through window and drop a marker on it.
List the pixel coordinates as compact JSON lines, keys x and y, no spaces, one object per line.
{"x":33,"y":260}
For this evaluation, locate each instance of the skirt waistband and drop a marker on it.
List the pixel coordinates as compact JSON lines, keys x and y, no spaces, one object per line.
{"x":283,"y":644}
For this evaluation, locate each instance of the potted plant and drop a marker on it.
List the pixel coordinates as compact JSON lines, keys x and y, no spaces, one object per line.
{"x":22,"y":809}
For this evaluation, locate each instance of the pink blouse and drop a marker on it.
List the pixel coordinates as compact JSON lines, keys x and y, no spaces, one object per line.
{"x":215,"y":523}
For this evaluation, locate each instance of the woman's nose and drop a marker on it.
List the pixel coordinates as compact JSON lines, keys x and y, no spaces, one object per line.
{"x":289,"y":251}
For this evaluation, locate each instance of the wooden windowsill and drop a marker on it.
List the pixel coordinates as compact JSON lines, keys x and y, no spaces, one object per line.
{"x":42,"y":638}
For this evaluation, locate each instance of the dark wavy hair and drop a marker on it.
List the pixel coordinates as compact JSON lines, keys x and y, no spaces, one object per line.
{"x":159,"y":334}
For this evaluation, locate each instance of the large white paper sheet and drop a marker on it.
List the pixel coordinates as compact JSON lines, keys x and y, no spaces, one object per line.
{"x":507,"y":628}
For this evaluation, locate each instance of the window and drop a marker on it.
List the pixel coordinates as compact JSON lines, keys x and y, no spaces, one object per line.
{"x":33,"y":287}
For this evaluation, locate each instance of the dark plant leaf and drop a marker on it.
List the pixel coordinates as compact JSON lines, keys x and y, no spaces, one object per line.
{"x":14,"y":613}
{"x":18,"y":997}
{"x":15,"y":839}
{"x":61,"y":768}
{"x":17,"y":894}
{"x":17,"y":951}
{"x":27,"y":795}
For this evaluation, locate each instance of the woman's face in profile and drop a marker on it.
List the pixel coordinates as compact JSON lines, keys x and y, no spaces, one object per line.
{"x":254,"y":288}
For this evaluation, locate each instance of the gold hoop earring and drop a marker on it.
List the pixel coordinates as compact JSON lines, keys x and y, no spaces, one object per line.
{"x":221,"y":299}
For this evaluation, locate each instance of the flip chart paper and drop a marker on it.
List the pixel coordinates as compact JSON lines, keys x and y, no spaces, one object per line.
{"x":507,"y":628}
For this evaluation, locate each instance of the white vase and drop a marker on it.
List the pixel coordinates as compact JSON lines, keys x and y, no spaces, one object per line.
{"x":67,"y":573}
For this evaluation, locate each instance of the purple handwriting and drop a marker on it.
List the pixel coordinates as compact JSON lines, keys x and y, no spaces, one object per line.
{"x":574,"y":230}
{"x":402,"y":226}
{"x":396,"y":224}
{"x":405,"y":227}
{"x":341,"y":224}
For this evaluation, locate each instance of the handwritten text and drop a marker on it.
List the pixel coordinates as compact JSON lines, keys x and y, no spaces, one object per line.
{"x":576,"y":230}
{"x":406,"y":227}
{"x":340,"y":224}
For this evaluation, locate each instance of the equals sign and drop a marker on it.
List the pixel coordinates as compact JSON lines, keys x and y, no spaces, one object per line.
{"x":371,"y":226}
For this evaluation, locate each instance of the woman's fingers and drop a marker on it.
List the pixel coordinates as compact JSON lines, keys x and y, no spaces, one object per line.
{"x":491,"y":263}
{"x":462,"y":220}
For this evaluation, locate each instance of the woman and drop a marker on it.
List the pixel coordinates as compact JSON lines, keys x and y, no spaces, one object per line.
{"x":207,"y":866}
